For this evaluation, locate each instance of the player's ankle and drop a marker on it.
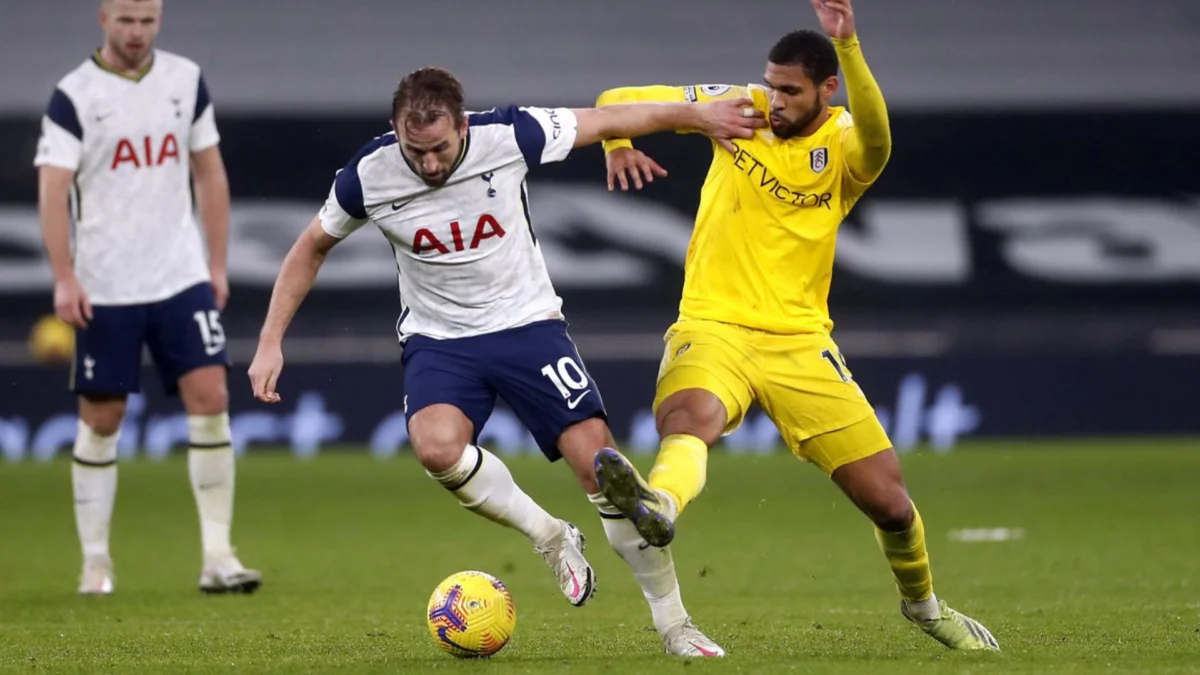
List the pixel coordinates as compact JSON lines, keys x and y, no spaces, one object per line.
{"x":667,"y":611}
{"x":97,"y":556}
{"x":218,"y":554}
{"x":670,"y":504}
{"x":924,"y":610}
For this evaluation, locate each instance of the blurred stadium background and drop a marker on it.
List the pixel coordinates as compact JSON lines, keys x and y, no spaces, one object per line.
{"x":1028,"y":265}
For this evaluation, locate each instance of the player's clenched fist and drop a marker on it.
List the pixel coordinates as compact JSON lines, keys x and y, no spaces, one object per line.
{"x":730,"y":118}
{"x":264,"y":372}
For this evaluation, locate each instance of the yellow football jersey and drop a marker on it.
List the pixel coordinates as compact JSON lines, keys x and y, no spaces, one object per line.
{"x":761,"y":255}
{"x":762,"y":251}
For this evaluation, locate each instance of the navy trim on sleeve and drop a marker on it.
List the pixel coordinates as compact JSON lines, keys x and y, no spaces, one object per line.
{"x":61,"y":111}
{"x":531,"y":137}
{"x":202,"y":99}
{"x":348,"y":187}
{"x":525,"y":208}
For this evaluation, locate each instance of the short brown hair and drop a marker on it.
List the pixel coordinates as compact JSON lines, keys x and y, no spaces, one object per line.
{"x":425,"y":95}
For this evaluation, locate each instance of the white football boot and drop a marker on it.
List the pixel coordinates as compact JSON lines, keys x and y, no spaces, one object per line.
{"x":97,"y":576}
{"x":687,"y":640}
{"x":565,"y":558}
{"x":225,"y":574}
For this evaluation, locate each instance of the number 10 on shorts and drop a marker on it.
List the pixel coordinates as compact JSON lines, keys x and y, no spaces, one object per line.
{"x":568,"y":377}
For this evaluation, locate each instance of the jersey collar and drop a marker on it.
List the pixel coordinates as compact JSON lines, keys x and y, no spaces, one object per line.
{"x":136,"y":77}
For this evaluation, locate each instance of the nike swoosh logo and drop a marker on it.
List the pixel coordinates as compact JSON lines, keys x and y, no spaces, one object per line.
{"x":399,"y":205}
{"x":643,"y":546}
{"x":702,"y":650}
{"x":101,"y":118}
{"x":575,"y":401}
{"x":575,"y":588}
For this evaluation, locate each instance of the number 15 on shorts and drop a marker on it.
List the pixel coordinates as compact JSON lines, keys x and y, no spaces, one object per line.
{"x":570,"y":380}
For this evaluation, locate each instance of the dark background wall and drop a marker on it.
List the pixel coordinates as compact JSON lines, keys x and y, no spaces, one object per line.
{"x":1032,"y":250}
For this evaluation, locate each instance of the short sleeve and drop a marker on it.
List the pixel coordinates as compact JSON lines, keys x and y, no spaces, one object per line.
{"x":61,"y":141}
{"x":345,"y":210}
{"x":204,"y":122}
{"x":336,"y":217}
{"x":556,"y":128}
{"x":541,"y":134}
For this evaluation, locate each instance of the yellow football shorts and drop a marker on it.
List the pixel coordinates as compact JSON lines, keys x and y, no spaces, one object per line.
{"x":800,"y":381}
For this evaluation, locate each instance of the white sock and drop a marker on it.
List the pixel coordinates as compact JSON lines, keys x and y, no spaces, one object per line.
{"x":94,"y":482}
{"x":653,"y":567}
{"x":672,"y":506}
{"x":211,"y":470}
{"x":924,"y":610}
{"x":484,"y":485}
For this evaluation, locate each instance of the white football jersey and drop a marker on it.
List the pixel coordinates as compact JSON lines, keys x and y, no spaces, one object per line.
{"x":467,"y":255}
{"x":129,"y":143}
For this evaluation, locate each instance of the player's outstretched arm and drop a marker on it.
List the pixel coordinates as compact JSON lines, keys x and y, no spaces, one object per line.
{"x":627,"y":166}
{"x":296,"y":278}
{"x":70,"y":301}
{"x":870,"y":144}
{"x":722,"y":120}
{"x":700,"y":93}
{"x":212,"y":202}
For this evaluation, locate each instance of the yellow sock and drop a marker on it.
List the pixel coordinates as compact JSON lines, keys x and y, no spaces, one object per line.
{"x":909,"y":559}
{"x":680,"y":469}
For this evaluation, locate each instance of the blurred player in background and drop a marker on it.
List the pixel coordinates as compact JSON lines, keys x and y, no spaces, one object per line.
{"x":123,"y":134}
{"x":754,"y":322}
{"x":479,"y":316}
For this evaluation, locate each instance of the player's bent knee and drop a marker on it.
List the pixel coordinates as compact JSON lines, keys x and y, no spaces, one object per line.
{"x":212,"y":402}
{"x":204,"y":391}
{"x":438,"y":449}
{"x":104,"y":424}
{"x":102,"y":414}
{"x":439,"y":436}
{"x":694,"y":412}
{"x":579,"y":444}
{"x":894,"y":513}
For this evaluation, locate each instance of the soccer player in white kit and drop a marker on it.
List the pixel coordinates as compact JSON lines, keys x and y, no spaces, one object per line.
{"x":479,"y":317}
{"x":117,"y":140}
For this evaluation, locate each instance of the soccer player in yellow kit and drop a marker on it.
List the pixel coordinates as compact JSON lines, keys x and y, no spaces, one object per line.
{"x":754,"y":322}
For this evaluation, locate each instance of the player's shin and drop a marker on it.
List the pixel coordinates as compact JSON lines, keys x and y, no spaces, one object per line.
{"x":211,"y":470}
{"x":483,"y":484}
{"x":94,"y":482}
{"x":906,"y":554}
{"x":681,"y":469}
{"x":653,"y":567}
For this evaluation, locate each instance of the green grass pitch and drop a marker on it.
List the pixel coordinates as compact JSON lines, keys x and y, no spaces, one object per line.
{"x":774,"y":564}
